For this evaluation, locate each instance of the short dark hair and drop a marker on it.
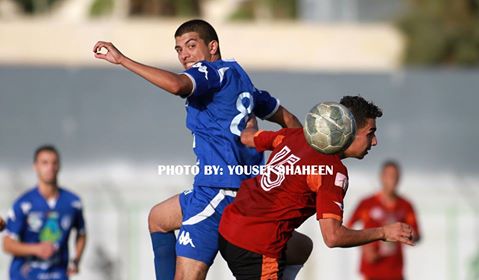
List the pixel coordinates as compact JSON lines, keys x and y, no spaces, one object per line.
{"x":45,"y":148}
{"x":391,"y":163}
{"x":361,"y":109}
{"x":205,"y":30}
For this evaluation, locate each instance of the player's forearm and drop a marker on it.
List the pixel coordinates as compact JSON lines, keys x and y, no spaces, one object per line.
{"x":17,"y":248}
{"x":247,"y":135}
{"x":291,"y":121}
{"x":285,"y":119}
{"x":349,"y":237}
{"x":79,"y":248}
{"x":171,"y":82}
{"x":337,"y":235}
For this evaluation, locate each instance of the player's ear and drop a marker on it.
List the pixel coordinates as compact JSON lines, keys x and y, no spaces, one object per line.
{"x":213,"y":47}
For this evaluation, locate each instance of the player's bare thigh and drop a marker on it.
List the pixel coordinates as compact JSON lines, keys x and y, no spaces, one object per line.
{"x":165,"y":216}
{"x":189,"y":269}
{"x":298,"y":249}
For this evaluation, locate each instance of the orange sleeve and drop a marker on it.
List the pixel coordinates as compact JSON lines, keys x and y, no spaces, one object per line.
{"x":268,"y":140}
{"x":329,"y":198}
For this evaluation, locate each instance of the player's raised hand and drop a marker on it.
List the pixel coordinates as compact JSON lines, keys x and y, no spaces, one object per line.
{"x":44,"y":250}
{"x":112,"y":54}
{"x":399,"y":232}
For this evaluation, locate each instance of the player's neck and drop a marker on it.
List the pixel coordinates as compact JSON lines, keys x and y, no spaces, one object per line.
{"x":215,"y":57}
{"x":48,"y":190}
{"x":388,"y":198}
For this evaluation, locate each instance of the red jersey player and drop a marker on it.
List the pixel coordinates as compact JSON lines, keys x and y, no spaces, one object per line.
{"x":382,"y":260}
{"x":255,"y":228}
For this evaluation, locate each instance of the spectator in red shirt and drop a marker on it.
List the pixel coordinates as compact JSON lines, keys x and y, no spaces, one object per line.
{"x":383,"y":260}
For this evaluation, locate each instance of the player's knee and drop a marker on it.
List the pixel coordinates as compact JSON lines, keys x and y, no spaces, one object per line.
{"x":306,"y":247}
{"x":154,"y":221}
{"x":299,"y":249}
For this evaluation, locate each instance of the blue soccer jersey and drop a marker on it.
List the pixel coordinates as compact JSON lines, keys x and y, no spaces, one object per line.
{"x":221,"y":102}
{"x":33,"y":219}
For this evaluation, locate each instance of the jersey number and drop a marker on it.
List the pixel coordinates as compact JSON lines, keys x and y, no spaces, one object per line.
{"x":244,"y":112}
{"x":276,"y":168}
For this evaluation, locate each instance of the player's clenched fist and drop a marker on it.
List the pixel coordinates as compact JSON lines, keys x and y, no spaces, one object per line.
{"x":112,"y":54}
{"x":44,"y":250}
{"x":399,"y":232}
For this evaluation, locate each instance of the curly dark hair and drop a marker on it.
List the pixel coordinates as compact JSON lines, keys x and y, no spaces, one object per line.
{"x":361,"y":109}
{"x":205,"y":30}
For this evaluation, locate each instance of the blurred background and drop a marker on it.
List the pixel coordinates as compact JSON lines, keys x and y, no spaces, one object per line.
{"x":416,"y":59}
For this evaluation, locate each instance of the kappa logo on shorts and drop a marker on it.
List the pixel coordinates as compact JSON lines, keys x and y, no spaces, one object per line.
{"x":185,"y":239}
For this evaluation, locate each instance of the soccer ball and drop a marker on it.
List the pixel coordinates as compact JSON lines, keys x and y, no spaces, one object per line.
{"x":329,"y":127}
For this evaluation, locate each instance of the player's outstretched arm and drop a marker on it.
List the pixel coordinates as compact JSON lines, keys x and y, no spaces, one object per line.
{"x":336,"y":235}
{"x":285,"y":118}
{"x":43,"y":250}
{"x":177,"y":84}
{"x":247,"y":135}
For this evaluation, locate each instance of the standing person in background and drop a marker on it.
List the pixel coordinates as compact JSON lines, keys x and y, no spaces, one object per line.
{"x":39,"y":225}
{"x":383,"y":260}
{"x":220,"y":99}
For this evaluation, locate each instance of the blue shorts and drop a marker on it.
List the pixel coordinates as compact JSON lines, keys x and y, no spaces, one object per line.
{"x":202,"y":208}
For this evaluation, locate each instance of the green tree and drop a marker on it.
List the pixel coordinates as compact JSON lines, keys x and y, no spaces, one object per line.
{"x":183,"y":8}
{"x":441,"y":32}
{"x":35,"y":6}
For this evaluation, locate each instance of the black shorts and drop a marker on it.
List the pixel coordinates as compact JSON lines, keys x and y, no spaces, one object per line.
{"x":247,"y":265}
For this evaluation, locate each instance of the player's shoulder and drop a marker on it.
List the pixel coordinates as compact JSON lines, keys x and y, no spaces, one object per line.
{"x":370,"y":200}
{"x":71,"y":198}
{"x":334,"y":160}
{"x":28,"y":195}
{"x":293,"y":131}
{"x":69,"y":195}
{"x":217,"y":64}
{"x":405,"y":201}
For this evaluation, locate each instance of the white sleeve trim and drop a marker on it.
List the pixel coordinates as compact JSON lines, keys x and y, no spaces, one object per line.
{"x":274,"y":111}
{"x":193,"y":81}
{"x":11,"y":235}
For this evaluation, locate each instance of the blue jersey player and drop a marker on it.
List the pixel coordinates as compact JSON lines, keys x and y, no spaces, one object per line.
{"x":40,"y":223}
{"x":220,"y":99}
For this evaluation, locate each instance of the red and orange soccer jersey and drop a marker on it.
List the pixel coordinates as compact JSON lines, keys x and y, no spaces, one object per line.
{"x":270,"y":206}
{"x":371,"y":212}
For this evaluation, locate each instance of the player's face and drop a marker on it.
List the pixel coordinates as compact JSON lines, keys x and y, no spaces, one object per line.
{"x":47,"y":166}
{"x":390,"y":178}
{"x":363,"y":141}
{"x":191,"y":49}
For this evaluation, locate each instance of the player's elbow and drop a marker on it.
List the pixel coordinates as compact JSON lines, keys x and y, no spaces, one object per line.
{"x":331,"y":240}
{"x":181,"y":85}
{"x":178,"y":89}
